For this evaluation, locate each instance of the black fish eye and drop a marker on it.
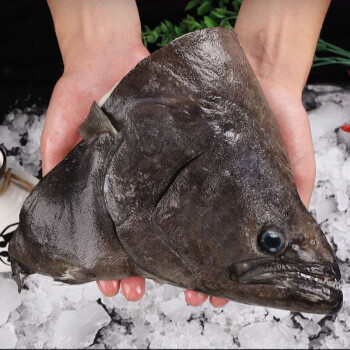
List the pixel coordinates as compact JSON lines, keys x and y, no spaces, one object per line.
{"x":272,"y":241}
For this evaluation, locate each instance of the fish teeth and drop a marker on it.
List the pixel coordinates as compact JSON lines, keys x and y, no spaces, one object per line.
{"x":328,"y":281}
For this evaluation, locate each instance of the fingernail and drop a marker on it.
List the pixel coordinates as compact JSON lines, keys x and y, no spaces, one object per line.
{"x":195,"y":298}
{"x":218,"y":302}
{"x":109,"y":287}
{"x":133,"y":288}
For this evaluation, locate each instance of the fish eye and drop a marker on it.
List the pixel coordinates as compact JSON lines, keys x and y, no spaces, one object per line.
{"x":271,"y":241}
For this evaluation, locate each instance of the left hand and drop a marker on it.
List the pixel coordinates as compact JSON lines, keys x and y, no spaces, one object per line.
{"x":279,"y":39}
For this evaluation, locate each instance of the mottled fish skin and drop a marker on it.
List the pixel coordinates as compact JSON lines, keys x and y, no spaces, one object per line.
{"x":176,"y":178}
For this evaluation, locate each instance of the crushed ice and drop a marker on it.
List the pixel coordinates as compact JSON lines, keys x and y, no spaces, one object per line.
{"x":48,"y":314}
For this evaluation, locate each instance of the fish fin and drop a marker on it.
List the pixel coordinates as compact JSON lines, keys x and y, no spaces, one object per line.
{"x":18,"y":275}
{"x":96,"y":123}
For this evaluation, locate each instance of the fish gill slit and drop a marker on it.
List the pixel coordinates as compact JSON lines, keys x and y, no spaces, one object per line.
{"x":173,"y":179}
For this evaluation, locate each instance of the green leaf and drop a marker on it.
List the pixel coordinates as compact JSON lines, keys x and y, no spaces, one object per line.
{"x":222,"y":3}
{"x":192,"y":24}
{"x":164,"y":27}
{"x":204,"y":8}
{"x":236,"y":5}
{"x":225,"y":23}
{"x":158,"y":30}
{"x":192,"y":4}
{"x":152,"y":37}
{"x":147,"y":30}
{"x":209,"y":22}
{"x":169,"y":25}
{"x":144,"y":40}
{"x":218,"y":13}
{"x":164,"y":41}
{"x":178,"y":31}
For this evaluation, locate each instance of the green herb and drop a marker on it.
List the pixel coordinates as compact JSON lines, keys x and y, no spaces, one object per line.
{"x":214,"y":13}
{"x":203,"y":14}
{"x":325,"y":47}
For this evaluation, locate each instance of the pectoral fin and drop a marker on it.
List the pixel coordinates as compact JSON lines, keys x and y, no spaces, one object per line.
{"x":96,"y":123}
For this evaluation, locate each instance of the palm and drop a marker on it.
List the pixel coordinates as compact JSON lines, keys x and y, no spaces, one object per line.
{"x":67,"y":110}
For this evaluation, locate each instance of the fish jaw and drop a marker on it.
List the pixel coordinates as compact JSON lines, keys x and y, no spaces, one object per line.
{"x":292,"y":286}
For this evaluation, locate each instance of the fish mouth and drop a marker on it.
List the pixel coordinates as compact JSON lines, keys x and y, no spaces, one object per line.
{"x":312,"y":288}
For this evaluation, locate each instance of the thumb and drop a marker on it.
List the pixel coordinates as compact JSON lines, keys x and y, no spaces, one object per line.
{"x":66,"y":112}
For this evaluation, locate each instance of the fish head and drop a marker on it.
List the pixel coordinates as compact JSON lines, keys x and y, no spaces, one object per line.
{"x":245,"y":232}
{"x":270,"y":250}
{"x":222,"y":192}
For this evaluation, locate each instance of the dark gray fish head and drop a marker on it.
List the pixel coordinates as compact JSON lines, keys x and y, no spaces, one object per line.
{"x":282,"y":257}
{"x":279,"y":258}
{"x":182,"y":176}
{"x":246,"y":233}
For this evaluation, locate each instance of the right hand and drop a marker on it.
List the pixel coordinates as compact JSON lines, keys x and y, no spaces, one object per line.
{"x":279,"y":40}
{"x":70,"y":102}
{"x":100,"y":42}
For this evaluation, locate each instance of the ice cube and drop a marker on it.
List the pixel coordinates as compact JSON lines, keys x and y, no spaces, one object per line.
{"x":343,"y":200}
{"x":217,"y":336}
{"x":174,"y":310}
{"x":8,"y":337}
{"x":9,"y":138}
{"x":10,"y":299}
{"x":327,"y":118}
{"x":268,"y":335}
{"x":77,"y":329}
{"x":346,"y":169}
{"x":19,"y":124}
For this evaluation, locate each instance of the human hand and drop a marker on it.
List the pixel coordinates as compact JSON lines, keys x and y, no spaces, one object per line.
{"x":279,"y":39}
{"x":280,"y":44}
{"x":294,"y":125}
{"x":100,"y":43}
{"x":70,"y":102}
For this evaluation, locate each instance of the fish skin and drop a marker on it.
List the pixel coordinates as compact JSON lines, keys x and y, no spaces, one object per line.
{"x":184,"y":172}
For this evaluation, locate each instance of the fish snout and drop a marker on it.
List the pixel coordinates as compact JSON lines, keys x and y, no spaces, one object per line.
{"x":297,"y":286}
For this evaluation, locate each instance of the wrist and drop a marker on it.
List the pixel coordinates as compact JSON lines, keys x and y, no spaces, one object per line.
{"x":87,"y":31}
{"x":279,"y":39}
{"x":113,"y":62}
{"x":95,"y":75}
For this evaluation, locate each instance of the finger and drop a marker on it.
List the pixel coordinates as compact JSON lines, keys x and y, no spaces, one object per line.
{"x":60,"y":133}
{"x":218,"y":302}
{"x":195,"y":298}
{"x":133,"y":288}
{"x":302,"y":159}
{"x":109,"y":288}
{"x":305,"y":183}
{"x":294,"y":125}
